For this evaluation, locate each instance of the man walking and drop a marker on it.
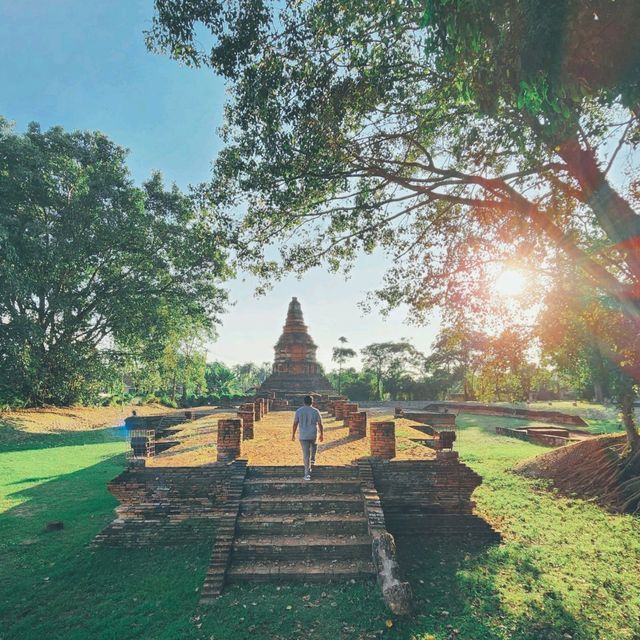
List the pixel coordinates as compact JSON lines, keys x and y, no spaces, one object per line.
{"x":309,"y":420}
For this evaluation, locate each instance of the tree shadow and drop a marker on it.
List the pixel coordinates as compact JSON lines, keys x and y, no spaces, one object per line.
{"x":457,"y":591}
{"x":15,"y":438}
{"x":56,"y":585}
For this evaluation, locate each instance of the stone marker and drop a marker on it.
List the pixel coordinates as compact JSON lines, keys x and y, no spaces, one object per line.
{"x":396,"y":592}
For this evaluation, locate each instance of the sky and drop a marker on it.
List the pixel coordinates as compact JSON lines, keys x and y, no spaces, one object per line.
{"x":82,"y":64}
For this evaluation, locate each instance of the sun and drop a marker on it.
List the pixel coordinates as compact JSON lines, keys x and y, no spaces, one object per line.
{"x":510,"y":283}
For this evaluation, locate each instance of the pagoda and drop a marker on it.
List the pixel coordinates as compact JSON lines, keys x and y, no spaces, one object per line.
{"x":295,"y":368}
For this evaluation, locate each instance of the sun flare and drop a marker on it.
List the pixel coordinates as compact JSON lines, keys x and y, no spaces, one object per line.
{"x":510,"y":283}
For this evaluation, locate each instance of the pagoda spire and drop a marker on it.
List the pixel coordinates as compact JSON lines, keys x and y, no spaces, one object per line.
{"x":295,"y":367}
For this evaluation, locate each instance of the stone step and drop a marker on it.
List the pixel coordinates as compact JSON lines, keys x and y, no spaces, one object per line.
{"x":301,"y":571}
{"x":294,"y":471}
{"x":298,"y":485}
{"x":263,"y":524}
{"x":325,"y":504}
{"x":291,"y":548}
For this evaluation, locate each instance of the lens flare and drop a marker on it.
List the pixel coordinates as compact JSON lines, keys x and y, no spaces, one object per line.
{"x":510,"y":283}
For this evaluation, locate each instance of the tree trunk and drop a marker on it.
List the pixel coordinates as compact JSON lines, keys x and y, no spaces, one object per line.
{"x":173,"y":388}
{"x":598,"y":393}
{"x":615,"y":215}
{"x":628,"y":419}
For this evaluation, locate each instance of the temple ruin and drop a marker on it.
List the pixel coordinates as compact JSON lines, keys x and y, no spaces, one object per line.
{"x":295,"y":368}
{"x":264,"y":522}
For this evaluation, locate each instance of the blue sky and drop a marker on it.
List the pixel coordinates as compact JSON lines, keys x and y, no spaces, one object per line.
{"x":83,"y":64}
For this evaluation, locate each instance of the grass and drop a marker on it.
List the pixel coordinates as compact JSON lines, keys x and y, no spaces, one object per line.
{"x":565,"y":569}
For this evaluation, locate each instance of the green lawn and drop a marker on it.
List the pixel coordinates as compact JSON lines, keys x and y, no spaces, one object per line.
{"x":565,"y":569}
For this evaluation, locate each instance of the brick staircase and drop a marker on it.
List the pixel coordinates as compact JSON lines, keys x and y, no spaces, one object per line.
{"x":289,"y":529}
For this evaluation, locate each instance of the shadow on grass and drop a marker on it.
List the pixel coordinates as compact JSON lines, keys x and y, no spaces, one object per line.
{"x":14,"y":438}
{"x":54,"y":585}
{"x":457,"y":594}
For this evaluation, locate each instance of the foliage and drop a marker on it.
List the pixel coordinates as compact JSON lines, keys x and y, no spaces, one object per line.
{"x":94,"y":270}
{"x":220,"y":380}
{"x":226,"y":382}
{"x":251,"y":374}
{"x":454,"y":359}
{"x":340,"y":355}
{"x":456,"y":135}
{"x":389,"y":361}
{"x":591,"y":342}
{"x":356,"y":385}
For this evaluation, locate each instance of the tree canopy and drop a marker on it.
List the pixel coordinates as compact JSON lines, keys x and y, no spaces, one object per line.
{"x":454,"y":135}
{"x":94,"y":270}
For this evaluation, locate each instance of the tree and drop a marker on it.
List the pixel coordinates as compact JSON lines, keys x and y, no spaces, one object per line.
{"x":388,"y":360}
{"x":93,"y":270}
{"x":592,"y":342}
{"x":356,"y":385}
{"x":221,"y":381}
{"x":455,"y":355}
{"x":455,"y":134}
{"x":250,"y":375}
{"x":503,"y":372}
{"x":340,"y":355}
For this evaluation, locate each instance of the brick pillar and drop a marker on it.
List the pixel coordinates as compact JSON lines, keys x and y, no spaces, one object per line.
{"x":357,"y":423}
{"x":349,"y":408}
{"x":257,"y":410}
{"x":339,"y":409}
{"x":265,"y":404}
{"x":383,"y":440}
{"x":246,"y":414}
{"x":229,"y":439}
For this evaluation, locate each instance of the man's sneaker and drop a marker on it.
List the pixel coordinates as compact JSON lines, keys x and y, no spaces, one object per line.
{"x":307,"y":477}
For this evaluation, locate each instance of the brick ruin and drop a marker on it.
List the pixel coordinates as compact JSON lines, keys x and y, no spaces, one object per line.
{"x":265,"y":523}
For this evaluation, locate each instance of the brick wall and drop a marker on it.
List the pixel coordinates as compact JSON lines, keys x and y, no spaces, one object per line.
{"x":430,"y":496}
{"x":166,"y":506}
{"x":532,"y":414}
{"x":530,"y":435}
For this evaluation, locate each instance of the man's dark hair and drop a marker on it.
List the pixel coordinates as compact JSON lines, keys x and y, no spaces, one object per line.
{"x":308,"y":400}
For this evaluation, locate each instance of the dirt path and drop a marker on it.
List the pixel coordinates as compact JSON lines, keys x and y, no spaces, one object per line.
{"x":272,"y":444}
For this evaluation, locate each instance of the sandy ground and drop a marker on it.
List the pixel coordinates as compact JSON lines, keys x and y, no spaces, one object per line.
{"x":272,"y":444}
{"x":57,"y":420}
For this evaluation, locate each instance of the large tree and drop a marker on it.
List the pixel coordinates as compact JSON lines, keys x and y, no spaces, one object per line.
{"x":340,"y":355}
{"x":455,"y":134}
{"x":93,"y":270}
{"x":390,"y":361}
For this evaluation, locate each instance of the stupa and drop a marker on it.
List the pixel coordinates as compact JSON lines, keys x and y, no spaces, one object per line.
{"x":295,"y":368}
